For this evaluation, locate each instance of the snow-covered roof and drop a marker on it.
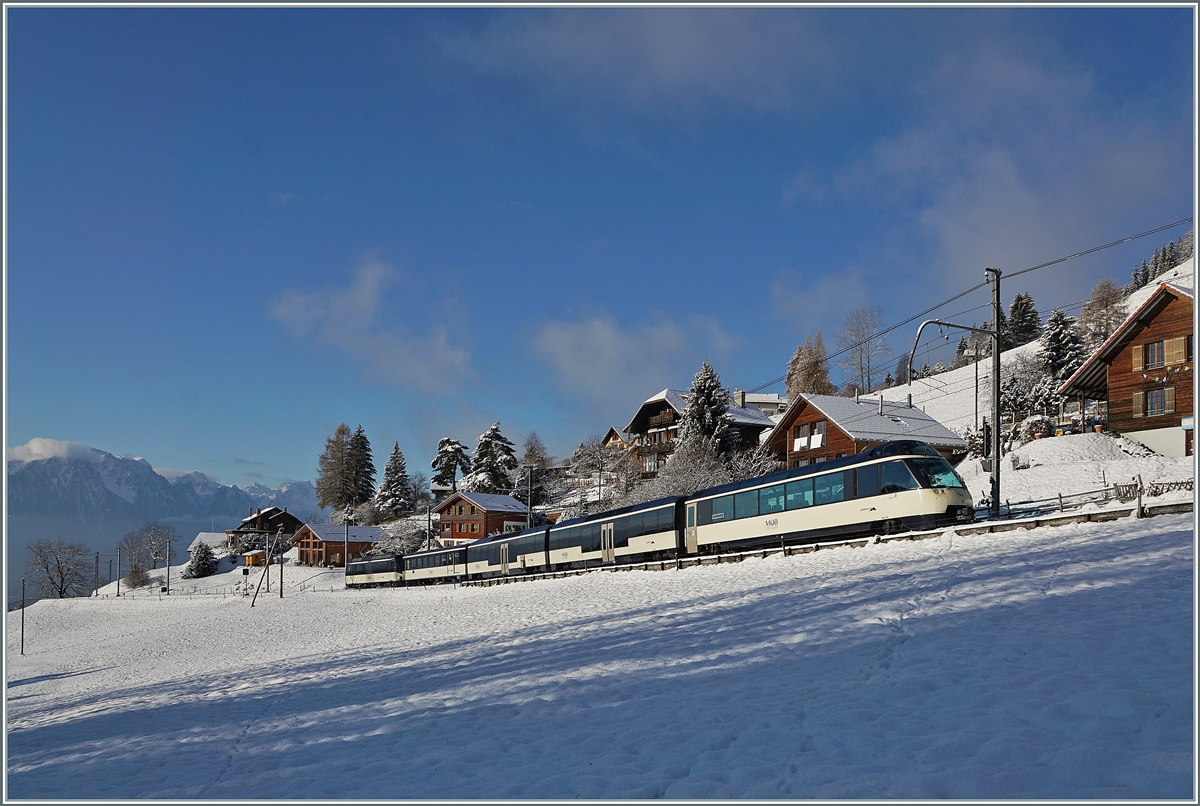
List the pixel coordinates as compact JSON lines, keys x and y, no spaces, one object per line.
{"x":861,"y":421}
{"x":267,"y":512}
{"x":678,"y":400}
{"x":334,"y":532}
{"x":213,"y":539}
{"x":490,"y":503}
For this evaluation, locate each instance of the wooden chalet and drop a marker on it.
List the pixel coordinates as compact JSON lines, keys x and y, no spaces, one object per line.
{"x":466,"y":517}
{"x":655,"y":427}
{"x":324,"y":544}
{"x":820,"y":427}
{"x":1144,"y":370}
{"x":261,"y":525}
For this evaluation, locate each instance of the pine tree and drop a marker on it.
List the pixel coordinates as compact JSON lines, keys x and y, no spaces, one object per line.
{"x":707,"y":412}
{"x":451,"y":457}
{"x":535,"y":463}
{"x":335,"y":486}
{"x":1024,"y":322}
{"x":202,"y":564}
{"x":395,"y":495}
{"x":494,"y":462}
{"x":1062,"y":349}
{"x":360,"y":467}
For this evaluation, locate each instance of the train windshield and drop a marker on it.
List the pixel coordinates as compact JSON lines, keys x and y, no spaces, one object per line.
{"x":936,"y":473}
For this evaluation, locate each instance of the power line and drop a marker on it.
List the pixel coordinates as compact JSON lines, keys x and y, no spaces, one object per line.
{"x":974,"y":288}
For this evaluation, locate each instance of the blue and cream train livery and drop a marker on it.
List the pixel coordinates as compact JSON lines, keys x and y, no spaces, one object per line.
{"x":893,"y":487}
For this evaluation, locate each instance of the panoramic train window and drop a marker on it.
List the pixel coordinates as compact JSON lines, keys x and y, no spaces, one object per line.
{"x":868,"y":481}
{"x":800,"y":494}
{"x":745,"y":505}
{"x":830,"y":488}
{"x":936,"y":473}
{"x":770,"y":499}
{"x":722,"y":508}
{"x":895,"y":477}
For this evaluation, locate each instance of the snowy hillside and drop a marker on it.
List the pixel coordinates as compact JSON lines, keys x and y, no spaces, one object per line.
{"x":1048,"y":663}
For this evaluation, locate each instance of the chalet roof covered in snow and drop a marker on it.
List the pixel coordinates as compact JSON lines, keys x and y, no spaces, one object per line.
{"x":677,"y":399}
{"x":490,"y":503}
{"x":334,"y":532}
{"x":861,"y":421}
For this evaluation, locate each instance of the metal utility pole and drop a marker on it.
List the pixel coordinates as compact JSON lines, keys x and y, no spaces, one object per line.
{"x":22,"y":615}
{"x":168,"y":566}
{"x":110,"y":569}
{"x":993,"y":276}
{"x":96,"y":581}
{"x":529,"y":500}
{"x":277,"y":541}
{"x":348,"y":518}
{"x":118,"y":570}
{"x":429,"y":521}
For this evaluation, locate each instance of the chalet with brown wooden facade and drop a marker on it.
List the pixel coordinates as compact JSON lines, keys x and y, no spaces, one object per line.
{"x":1145,"y":372}
{"x":325,"y":544}
{"x":465,"y":516}
{"x":655,"y":427}
{"x":262,"y":525}
{"x":820,"y":427}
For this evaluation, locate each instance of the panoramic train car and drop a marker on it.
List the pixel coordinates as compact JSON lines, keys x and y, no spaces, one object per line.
{"x":629,"y":534}
{"x":507,"y":554}
{"x":386,"y":569}
{"x":895,"y":486}
{"x":437,"y":565}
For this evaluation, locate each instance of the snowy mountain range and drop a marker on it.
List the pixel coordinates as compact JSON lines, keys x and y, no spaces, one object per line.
{"x":60,"y":479}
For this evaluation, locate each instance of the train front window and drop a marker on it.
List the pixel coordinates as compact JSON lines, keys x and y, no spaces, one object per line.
{"x":936,"y":473}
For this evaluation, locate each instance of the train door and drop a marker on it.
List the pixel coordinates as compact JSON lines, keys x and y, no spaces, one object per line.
{"x":608,"y":553}
{"x":690,"y":532}
{"x":504,"y":558}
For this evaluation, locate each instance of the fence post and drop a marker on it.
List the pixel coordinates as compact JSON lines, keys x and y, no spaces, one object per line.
{"x":1060,"y":504}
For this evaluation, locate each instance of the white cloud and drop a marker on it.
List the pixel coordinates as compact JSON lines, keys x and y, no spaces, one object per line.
{"x":282,"y":198}
{"x":660,"y":59}
{"x":611,"y":369}
{"x":1014,"y":157}
{"x":346,"y":319}
{"x":41,"y":448}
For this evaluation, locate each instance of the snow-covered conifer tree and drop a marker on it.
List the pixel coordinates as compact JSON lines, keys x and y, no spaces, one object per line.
{"x":808,"y":369}
{"x":202,"y":564}
{"x":1024,"y":322}
{"x":707,"y":412}
{"x":494,"y":462}
{"x":395,"y":495}
{"x":451,"y":457}
{"x":1062,"y":349}
{"x":360,"y":467}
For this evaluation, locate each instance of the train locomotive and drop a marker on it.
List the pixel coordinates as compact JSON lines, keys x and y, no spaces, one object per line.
{"x":897,"y":486}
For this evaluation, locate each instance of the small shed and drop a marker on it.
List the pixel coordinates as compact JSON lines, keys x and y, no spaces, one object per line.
{"x":254,"y":559}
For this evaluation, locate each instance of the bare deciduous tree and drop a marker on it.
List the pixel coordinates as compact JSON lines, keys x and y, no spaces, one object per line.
{"x":863,"y":346}
{"x":59,"y":568}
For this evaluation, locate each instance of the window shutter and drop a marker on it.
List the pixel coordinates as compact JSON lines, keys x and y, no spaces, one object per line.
{"x":1138,"y":351}
{"x":1170,"y":390}
{"x":1178,"y":350}
{"x":1139,"y":408}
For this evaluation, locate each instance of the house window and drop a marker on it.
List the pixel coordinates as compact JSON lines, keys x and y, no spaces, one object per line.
{"x":1155,"y":355}
{"x":650,"y":463}
{"x":1160,"y":401}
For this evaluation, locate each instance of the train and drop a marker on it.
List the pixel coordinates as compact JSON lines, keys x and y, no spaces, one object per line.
{"x":897,"y":486}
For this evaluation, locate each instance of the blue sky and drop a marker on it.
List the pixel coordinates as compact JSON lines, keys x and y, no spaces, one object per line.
{"x":230,"y":229}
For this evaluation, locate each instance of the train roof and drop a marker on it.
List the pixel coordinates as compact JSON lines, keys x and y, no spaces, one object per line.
{"x":900,"y":447}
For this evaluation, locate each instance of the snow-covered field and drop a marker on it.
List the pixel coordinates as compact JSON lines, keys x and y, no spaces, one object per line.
{"x":1047,"y":663}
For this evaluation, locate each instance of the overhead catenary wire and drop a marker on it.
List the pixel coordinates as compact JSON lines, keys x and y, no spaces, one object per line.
{"x":974,"y":288}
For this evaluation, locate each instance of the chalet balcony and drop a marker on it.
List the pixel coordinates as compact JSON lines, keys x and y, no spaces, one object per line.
{"x":666,"y":418}
{"x":647,"y":448}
